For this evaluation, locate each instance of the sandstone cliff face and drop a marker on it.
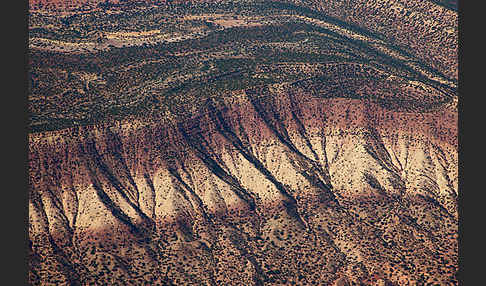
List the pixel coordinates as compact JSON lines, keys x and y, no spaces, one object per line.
{"x":272,"y":186}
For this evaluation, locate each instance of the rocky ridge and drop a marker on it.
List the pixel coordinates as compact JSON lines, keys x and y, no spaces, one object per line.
{"x":263,"y":182}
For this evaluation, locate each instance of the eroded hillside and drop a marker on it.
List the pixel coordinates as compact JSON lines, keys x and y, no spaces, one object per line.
{"x":292,"y":148}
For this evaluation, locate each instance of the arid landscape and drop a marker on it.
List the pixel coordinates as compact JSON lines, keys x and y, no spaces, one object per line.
{"x":244,"y":142}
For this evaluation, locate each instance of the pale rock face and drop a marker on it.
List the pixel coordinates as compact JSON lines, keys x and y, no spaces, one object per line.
{"x":345,"y":186}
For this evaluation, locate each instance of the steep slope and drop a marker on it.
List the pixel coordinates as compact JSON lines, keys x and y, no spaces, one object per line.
{"x":262,"y":189}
